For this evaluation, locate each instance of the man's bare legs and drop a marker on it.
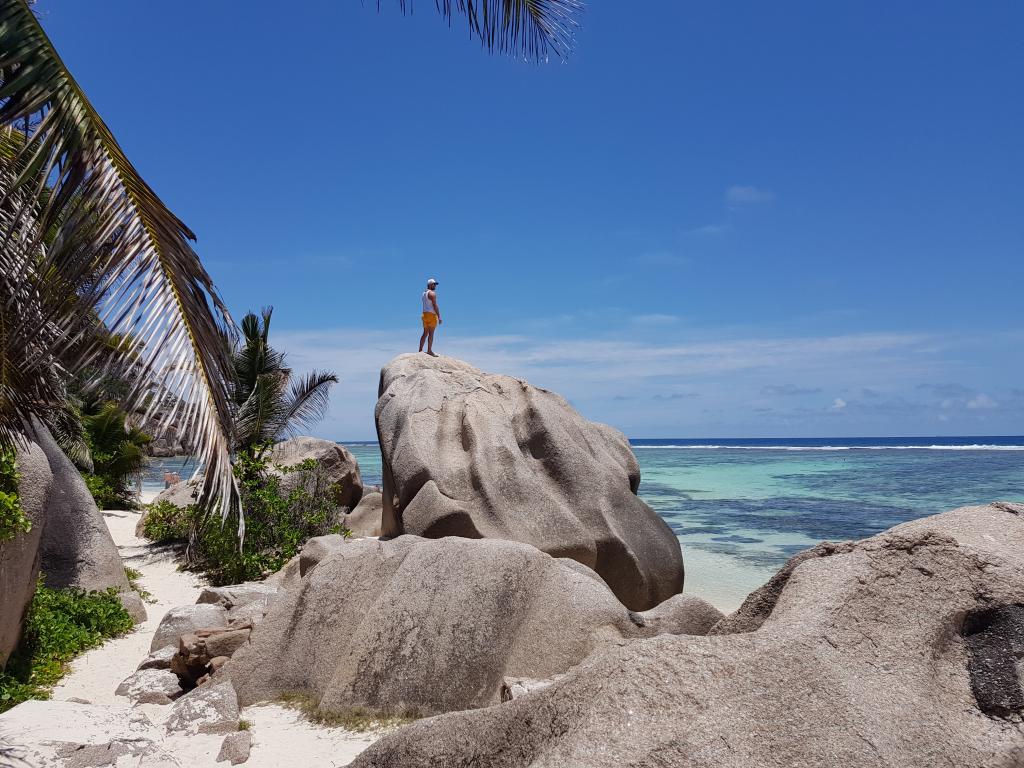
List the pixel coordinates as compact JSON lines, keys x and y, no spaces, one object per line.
{"x":428,"y":337}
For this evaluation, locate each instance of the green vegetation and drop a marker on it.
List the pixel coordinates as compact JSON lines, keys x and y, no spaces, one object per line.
{"x":277,"y":524}
{"x":268,"y":403}
{"x":244,"y":725}
{"x":117,"y":453}
{"x":134,"y":575}
{"x":61,"y":623}
{"x":12,"y":516}
{"x":351,"y":718}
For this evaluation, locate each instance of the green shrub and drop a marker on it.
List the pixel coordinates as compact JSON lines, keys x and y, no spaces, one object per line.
{"x":61,"y":623}
{"x":118,"y":455}
{"x":167,"y":523}
{"x":276,"y":525}
{"x":12,"y":516}
{"x":103,"y":493}
{"x":134,"y":576}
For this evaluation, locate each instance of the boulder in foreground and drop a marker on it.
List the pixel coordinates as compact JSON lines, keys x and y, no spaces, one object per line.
{"x":426,"y":626}
{"x":473,"y":454}
{"x":897,"y":651}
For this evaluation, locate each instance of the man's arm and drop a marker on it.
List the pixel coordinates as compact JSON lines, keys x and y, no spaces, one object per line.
{"x":437,"y":311}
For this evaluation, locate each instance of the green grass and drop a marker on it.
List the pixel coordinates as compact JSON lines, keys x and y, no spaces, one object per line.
{"x":244,"y":725}
{"x":134,"y":575}
{"x":61,"y":623}
{"x":351,"y":718}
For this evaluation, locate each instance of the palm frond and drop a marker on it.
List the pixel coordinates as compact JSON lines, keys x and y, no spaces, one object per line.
{"x":307,"y":401}
{"x":257,"y":419}
{"x":101,"y":230}
{"x":532,"y":29}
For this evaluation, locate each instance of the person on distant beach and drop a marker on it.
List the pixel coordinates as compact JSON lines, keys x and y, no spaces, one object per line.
{"x":431,"y":316}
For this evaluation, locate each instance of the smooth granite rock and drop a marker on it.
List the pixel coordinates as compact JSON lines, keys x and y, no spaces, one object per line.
{"x":185,"y":619}
{"x":365,"y":519}
{"x":338,"y":467}
{"x":236,"y":748}
{"x":150,"y":686}
{"x":77,"y":549}
{"x":869,"y":656}
{"x":473,"y":454}
{"x":19,"y":557}
{"x":212,"y":708}
{"x":426,"y":625}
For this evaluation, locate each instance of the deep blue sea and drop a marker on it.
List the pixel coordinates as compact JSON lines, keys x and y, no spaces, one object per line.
{"x":742,"y":507}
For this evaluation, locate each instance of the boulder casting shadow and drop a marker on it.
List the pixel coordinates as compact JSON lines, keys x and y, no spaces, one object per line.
{"x":901,"y":650}
{"x":473,"y":454}
{"x":430,"y":626}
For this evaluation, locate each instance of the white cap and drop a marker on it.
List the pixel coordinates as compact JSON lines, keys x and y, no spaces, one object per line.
{"x":432,"y":281}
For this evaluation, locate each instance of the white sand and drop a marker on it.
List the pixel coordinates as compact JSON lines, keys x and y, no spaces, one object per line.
{"x":280,"y":736}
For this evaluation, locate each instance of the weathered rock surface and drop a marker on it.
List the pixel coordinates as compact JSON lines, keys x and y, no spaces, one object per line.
{"x":160,"y":658}
{"x":212,"y":708}
{"x":19,"y":557}
{"x":197,"y":652}
{"x":365,"y":519}
{"x":338,"y":467}
{"x":681,"y":615}
{"x":185,"y":619}
{"x":235,"y":748}
{"x":428,"y":625}
{"x":69,"y":539}
{"x":76,"y":549}
{"x":68,"y":734}
{"x":317,"y":548}
{"x":863,"y":657}
{"x":478,"y":455}
{"x":237,"y":595}
{"x":150,"y":686}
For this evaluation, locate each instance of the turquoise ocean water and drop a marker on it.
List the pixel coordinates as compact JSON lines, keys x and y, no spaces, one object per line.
{"x":741,"y":508}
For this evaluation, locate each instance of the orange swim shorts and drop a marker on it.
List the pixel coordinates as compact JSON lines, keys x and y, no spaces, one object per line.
{"x":429,"y":321}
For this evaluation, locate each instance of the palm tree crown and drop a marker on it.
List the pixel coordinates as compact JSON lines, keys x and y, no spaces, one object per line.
{"x":269,"y":405}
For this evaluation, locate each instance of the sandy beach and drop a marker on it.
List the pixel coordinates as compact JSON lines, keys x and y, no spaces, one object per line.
{"x":280,"y":736}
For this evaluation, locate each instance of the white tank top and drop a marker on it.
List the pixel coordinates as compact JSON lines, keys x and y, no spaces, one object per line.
{"x":428,"y":305}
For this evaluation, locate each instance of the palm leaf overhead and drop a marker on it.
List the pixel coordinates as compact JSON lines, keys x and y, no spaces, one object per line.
{"x":529,"y":28}
{"x":85,"y":241}
{"x":78,"y":210}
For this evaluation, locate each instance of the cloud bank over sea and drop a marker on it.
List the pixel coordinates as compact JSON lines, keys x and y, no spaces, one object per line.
{"x":663,"y":382}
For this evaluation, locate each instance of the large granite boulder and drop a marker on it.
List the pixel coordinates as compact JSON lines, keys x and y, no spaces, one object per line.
{"x":69,"y":540}
{"x":898,"y":651}
{"x":473,"y":454}
{"x":429,"y":626}
{"x":77,"y":549}
{"x":19,"y":557}
{"x":338,"y":469}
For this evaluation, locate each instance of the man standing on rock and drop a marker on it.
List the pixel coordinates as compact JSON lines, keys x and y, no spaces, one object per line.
{"x":431,"y":316}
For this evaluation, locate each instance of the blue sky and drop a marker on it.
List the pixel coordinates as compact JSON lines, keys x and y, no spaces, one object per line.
{"x":716,"y":219}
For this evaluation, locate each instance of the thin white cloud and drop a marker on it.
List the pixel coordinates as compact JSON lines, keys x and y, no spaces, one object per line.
{"x":597,"y":374}
{"x":838,"y":404}
{"x":981,"y":402}
{"x":745,"y":195}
